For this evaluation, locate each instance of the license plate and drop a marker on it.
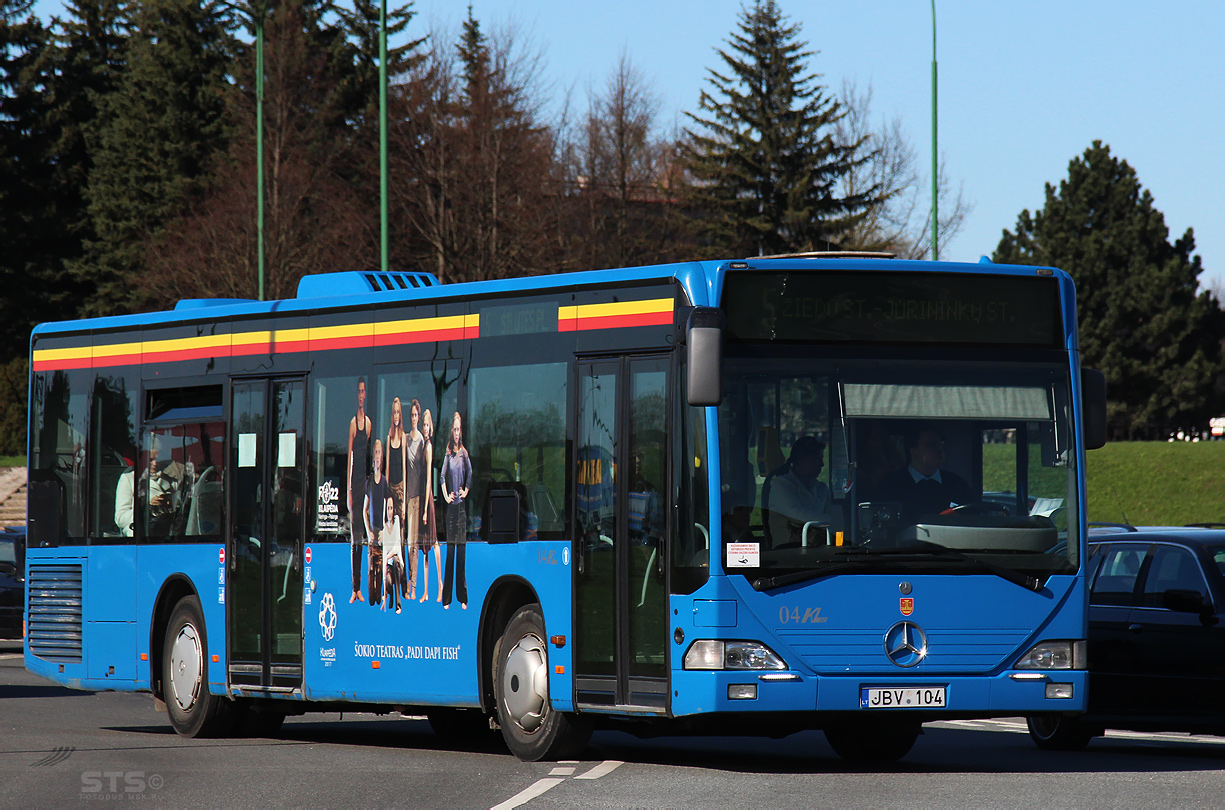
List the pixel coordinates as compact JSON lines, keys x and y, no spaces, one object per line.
{"x":909,"y":697}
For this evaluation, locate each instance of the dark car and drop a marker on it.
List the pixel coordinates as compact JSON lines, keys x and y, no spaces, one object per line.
{"x":12,"y":582}
{"x":1156,"y":637}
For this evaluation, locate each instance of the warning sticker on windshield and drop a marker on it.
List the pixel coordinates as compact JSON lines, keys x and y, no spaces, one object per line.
{"x":743,"y":555}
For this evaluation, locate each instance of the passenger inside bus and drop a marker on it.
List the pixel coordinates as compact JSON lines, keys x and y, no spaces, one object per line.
{"x":793,"y":496}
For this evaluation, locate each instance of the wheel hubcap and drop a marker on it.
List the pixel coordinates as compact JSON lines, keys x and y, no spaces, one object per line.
{"x":186,"y":667}
{"x":525,"y":683}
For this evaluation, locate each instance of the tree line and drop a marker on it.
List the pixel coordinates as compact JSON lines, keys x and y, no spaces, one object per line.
{"x":128,"y":164}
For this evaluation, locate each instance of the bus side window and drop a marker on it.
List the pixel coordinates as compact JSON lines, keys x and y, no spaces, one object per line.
{"x":58,"y":457}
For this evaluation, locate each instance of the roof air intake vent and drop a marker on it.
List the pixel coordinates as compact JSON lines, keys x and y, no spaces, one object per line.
{"x":356,"y":282}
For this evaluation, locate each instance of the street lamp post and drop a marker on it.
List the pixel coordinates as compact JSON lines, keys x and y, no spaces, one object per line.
{"x":256,"y":11}
{"x":259,"y":141}
{"x":383,"y":217}
{"x":935,"y":160}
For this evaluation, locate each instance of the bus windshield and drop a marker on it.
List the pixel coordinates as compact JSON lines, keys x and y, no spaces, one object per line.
{"x":883,"y":466}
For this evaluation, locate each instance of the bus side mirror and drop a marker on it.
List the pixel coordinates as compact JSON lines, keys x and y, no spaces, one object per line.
{"x":704,"y":337}
{"x":1093,"y":407}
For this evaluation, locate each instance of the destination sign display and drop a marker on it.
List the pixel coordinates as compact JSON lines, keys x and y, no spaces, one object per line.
{"x":898,"y":308}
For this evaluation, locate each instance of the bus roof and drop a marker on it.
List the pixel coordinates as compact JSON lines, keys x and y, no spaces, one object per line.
{"x":355,"y":289}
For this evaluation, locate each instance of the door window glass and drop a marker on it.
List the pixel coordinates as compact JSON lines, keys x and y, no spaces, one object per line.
{"x":1116,"y":578}
{"x":645,"y":501}
{"x":595,"y":503}
{"x":1171,"y":569}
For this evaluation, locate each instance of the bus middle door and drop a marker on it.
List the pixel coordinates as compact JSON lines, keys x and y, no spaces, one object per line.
{"x":621,"y":486}
{"x":264,"y":601}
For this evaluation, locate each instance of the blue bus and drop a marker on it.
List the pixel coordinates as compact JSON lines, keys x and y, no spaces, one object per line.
{"x":748,"y":497}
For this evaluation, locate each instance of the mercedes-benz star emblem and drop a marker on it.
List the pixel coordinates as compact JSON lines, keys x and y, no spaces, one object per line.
{"x":905,"y":644}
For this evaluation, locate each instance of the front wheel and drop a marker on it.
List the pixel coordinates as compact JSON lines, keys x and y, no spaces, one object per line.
{"x":1054,"y":733}
{"x":871,"y":741}
{"x":532,"y":729}
{"x":194,"y":712}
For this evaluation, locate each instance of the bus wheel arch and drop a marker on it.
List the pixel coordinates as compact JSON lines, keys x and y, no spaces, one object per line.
{"x":532,"y":728}
{"x":504,"y":599}
{"x":176,"y":588}
{"x":193,"y":710}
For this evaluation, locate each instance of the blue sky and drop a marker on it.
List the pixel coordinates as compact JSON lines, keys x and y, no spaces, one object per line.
{"x":1023,"y":87}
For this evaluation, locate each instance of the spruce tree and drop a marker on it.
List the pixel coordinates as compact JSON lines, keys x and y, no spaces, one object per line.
{"x":764,"y":157}
{"x":160,"y":129}
{"x":1143,"y":319}
{"x":26,"y":207}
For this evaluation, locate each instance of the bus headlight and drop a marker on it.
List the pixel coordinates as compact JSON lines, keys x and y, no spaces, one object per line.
{"x":711,"y":654}
{"x":1054,"y":655}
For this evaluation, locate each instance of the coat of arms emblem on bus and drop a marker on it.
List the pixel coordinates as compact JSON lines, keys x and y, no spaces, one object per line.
{"x":327,"y":616}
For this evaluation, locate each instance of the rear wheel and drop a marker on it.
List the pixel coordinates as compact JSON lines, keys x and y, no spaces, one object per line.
{"x":532,"y":729}
{"x":1051,"y":732}
{"x":873,"y":741}
{"x":194,"y":712}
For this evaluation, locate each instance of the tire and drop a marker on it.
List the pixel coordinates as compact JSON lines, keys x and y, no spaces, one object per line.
{"x":873,"y":741}
{"x":194,"y":712}
{"x":532,"y":729}
{"x":1051,"y":732}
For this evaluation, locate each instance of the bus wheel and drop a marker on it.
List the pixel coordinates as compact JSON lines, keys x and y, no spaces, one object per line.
{"x":532,"y":729}
{"x":868,"y":741}
{"x":194,"y":712}
{"x":1055,"y":733}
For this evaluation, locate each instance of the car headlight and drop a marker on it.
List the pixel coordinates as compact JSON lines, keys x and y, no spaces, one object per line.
{"x":1054,"y":655}
{"x":741,"y":655}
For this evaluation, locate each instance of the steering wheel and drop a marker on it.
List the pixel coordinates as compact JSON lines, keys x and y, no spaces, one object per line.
{"x":978,"y":508}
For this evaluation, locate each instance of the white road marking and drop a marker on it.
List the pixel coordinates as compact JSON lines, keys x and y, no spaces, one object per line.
{"x":556,"y":777}
{"x":603,"y":769}
{"x":524,"y":796}
{"x":1013,"y":726}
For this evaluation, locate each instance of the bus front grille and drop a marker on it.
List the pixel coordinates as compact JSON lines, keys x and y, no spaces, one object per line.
{"x":54,"y":623}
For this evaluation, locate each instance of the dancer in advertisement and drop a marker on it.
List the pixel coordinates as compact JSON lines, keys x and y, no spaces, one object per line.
{"x":360,"y":429}
{"x":397,"y":464}
{"x":377,"y":493}
{"x":456,"y":479}
{"x":429,"y":522}
{"x":413,"y":484}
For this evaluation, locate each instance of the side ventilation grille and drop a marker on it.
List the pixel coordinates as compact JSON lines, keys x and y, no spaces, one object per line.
{"x":56,"y":598}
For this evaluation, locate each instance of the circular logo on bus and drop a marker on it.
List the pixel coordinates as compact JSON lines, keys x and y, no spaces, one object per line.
{"x":308,"y":553}
{"x":905,"y":644}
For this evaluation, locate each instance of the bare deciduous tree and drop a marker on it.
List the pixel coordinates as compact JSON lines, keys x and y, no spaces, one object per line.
{"x":901,"y":222}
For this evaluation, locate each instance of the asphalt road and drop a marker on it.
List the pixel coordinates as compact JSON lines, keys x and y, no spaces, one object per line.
{"x":58,"y":747}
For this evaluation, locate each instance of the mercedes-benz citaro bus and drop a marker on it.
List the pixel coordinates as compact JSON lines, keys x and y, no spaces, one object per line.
{"x":746,"y":497}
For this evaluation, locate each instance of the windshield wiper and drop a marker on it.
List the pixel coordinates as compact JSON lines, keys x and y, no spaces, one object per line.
{"x":918,"y":551}
{"x":1015,"y":577}
{"x":770,"y":583}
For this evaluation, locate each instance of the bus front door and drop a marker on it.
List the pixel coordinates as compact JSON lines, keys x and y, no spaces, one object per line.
{"x":264,"y":599}
{"x":621,"y":495}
